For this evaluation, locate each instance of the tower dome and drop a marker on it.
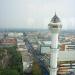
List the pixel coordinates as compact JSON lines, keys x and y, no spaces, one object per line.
{"x":55,"y":24}
{"x":55,"y":19}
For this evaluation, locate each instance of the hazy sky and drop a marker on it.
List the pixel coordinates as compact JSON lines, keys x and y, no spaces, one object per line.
{"x":36,"y":13}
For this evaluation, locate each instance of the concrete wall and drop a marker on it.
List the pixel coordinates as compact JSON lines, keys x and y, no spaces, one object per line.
{"x":66,"y":55}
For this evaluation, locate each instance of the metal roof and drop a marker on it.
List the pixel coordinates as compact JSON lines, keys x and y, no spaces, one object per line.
{"x":55,"y":19}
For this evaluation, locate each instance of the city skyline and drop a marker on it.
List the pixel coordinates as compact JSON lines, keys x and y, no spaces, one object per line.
{"x":36,"y":14}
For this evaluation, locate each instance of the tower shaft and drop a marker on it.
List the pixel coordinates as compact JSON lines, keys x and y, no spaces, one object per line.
{"x":54,"y":40}
{"x":54,"y":27}
{"x":54,"y":53}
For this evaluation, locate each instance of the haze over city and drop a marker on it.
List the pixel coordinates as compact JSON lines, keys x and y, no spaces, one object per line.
{"x":36,"y":14}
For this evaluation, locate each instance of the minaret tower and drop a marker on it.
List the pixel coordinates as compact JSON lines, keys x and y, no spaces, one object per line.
{"x":54,"y":27}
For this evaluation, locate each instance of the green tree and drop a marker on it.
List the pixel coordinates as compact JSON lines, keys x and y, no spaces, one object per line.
{"x":9,"y":72}
{"x":3,"y":54}
{"x":15,"y":61}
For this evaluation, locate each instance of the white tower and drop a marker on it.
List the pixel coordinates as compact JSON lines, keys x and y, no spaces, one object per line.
{"x":54,"y":27}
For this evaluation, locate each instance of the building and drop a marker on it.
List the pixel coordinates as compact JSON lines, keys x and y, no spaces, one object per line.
{"x":15,"y":34}
{"x":8,"y":42}
{"x":27,"y":59}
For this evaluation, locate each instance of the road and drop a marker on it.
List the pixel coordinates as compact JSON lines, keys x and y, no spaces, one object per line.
{"x":37,"y":57}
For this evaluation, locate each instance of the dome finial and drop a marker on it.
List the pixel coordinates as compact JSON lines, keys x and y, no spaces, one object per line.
{"x":55,"y":13}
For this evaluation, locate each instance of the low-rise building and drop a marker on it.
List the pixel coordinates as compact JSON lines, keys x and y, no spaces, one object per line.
{"x":26,"y":56}
{"x":27,"y":61}
{"x":8,"y":41}
{"x":15,"y":34}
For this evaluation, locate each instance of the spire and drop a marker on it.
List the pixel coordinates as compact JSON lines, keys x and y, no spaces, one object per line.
{"x":55,"y":13}
{"x":55,"y":19}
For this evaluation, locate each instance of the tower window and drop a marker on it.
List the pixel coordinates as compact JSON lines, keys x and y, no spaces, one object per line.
{"x":55,"y":26}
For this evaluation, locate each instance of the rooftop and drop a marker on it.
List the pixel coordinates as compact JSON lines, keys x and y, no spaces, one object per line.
{"x":55,"y":19}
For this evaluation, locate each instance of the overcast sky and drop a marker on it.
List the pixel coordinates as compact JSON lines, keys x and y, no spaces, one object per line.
{"x":36,"y":13}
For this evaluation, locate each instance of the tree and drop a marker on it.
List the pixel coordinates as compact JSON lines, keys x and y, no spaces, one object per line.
{"x":36,"y":70}
{"x":3,"y":57}
{"x":15,"y":62}
{"x":9,"y":72}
